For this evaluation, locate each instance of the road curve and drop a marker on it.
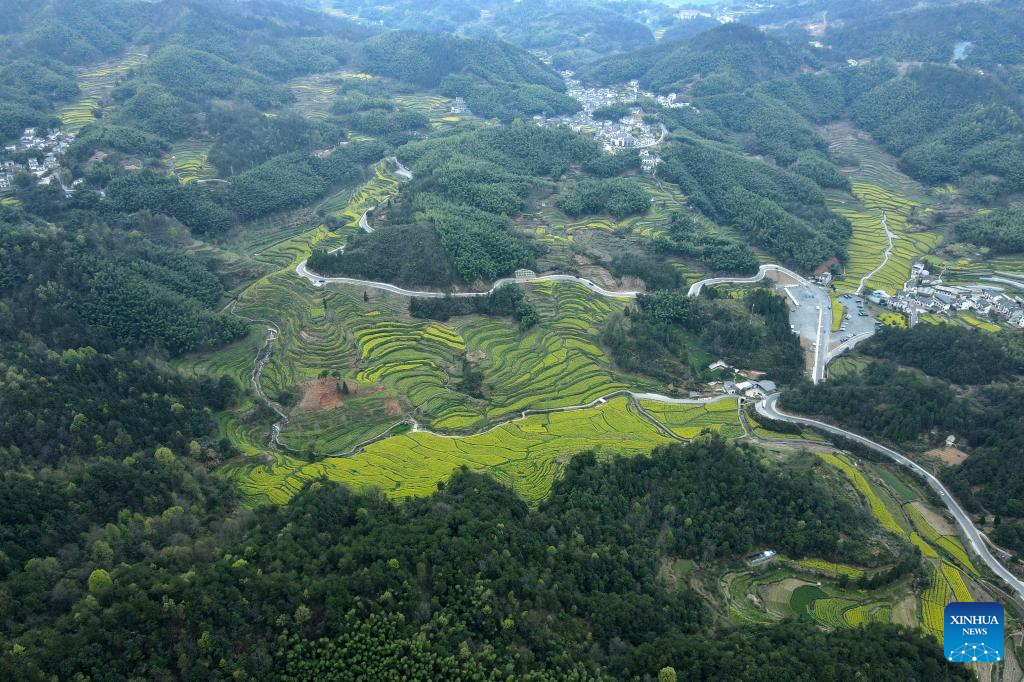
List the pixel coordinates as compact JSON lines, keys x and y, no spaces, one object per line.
{"x":320,"y":280}
{"x":848,"y":345}
{"x":696,"y":287}
{"x":767,"y":408}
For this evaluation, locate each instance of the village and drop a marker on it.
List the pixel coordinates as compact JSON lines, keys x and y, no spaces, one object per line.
{"x":926,"y":293}
{"x":37,"y":153}
{"x":629,"y":132}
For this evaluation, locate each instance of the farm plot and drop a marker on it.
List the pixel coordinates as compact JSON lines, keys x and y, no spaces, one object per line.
{"x":867,"y":246}
{"x":688,"y":421}
{"x":314,"y":94}
{"x":375,"y":191}
{"x":555,"y":229}
{"x":933,"y":603}
{"x":878,"y":507}
{"x":868,"y":613}
{"x":829,"y":611}
{"x":950,"y":545}
{"x":95,"y":83}
{"x":828,"y":568}
{"x":527,"y":454}
{"x":188,"y":162}
{"x":872,"y":163}
{"x":76,"y":116}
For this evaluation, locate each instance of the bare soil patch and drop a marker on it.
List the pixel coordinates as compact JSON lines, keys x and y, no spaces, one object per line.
{"x":905,"y":612}
{"x":325,"y":393}
{"x":936,"y":520}
{"x":950,"y":456}
{"x":393,"y":407}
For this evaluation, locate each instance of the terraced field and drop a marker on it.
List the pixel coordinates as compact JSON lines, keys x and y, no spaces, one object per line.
{"x":687,"y":421}
{"x":948,"y":544}
{"x":878,"y":508}
{"x":831,"y":602}
{"x":828,"y":567}
{"x":933,"y":603}
{"x":829,"y":611}
{"x":872,"y":163}
{"x":527,"y":454}
{"x":434,"y":107}
{"x":555,"y":229}
{"x":76,"y":116}
{"x":188,"y":162}
{"x":314,"y":94}
{"x":95,"y":83}
{"x":869,"y":242}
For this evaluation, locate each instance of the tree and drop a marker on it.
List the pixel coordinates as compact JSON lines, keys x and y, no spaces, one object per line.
{"x":100,"y":583}
{"x":667,"y":674}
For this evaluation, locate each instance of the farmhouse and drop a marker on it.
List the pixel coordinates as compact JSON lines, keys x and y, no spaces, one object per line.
{"x":761,"y":557}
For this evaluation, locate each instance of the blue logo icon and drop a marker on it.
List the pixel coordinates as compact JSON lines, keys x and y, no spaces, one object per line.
{"x":973,"y":631}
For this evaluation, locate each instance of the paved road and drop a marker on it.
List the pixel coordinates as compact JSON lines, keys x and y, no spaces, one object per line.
{"x":848,"y":345}
{"x":974,"y":537}
{"x":817,"y":329}
{"x":364,"y":224}
{"x":885,"y":259}
{"x":320,"y":280}
{"x":696,"y":287}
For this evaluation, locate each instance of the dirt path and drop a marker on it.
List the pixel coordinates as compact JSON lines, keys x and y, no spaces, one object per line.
{"x":885,"y":257}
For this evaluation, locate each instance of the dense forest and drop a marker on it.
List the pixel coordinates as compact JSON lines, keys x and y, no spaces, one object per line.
{"x":450,"y":223}
{"x":668,"y":335}
{"x":957,"y":354}
{"x":777,"y":210}
{"x":457,"y":585}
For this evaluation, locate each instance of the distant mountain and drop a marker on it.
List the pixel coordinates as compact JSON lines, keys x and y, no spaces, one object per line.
{"x":426,"y":58}
{"x":734,"y":51}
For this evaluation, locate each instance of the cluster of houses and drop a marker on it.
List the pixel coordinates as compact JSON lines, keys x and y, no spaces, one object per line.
{"x":629,"y":132}
{"x":926,"y":293}
{"x":42,"y":152}
{"x":753,"y":386}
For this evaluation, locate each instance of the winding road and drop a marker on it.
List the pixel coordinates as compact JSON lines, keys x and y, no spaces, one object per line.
{"x":320,"y":280}
{"x":975,"y":538}
{"x":820,"y":338}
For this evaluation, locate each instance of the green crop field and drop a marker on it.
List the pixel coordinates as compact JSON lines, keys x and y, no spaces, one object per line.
{"x":868,"y":244}
{"x":878,"y":508}
{"x":872,"y":163}
{"x":95,"y":83}
{"x":933,"y":603}
{"x":526,"y":454}
{"x":188,"y":162}
{"x":687,"y":421}
{"x":802,"y":598}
